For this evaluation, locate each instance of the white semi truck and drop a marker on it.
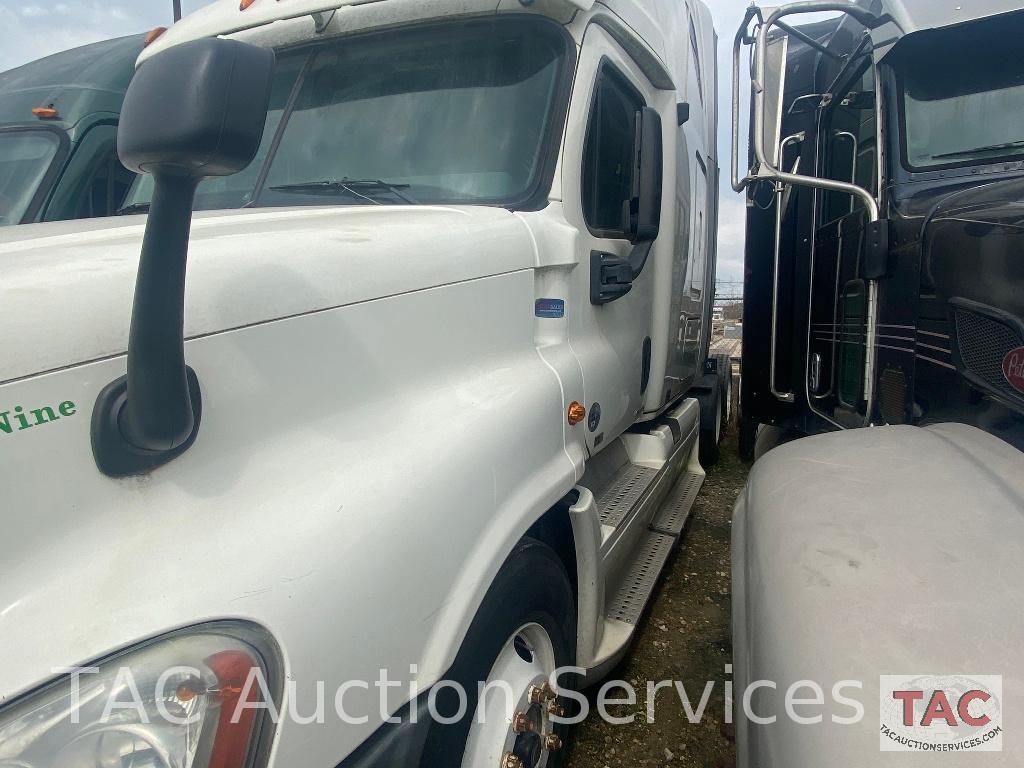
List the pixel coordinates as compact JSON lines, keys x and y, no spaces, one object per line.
{"x":428,"y":406}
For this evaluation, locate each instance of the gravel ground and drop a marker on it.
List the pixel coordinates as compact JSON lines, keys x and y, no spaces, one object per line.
{"x":684,"y":637}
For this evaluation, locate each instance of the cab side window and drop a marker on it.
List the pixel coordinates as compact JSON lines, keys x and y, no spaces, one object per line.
{"x":850,"y":153}
{"x":94,"y":183}
{"x":609,"y":152}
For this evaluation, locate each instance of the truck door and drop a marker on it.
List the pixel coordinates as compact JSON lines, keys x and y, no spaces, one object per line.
{"x":840,"y":295}
{"x":94,"y":183}
{"x":611,"y":340}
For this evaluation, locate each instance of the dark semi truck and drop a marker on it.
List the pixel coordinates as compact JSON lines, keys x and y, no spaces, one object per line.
{"x":877,"y":552}
{"x":888,"y":289}
{"x":58,"y":133}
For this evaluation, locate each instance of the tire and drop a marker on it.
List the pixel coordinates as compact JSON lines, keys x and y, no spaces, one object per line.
{"x":531,"y":589}
{"x":710,"y":425}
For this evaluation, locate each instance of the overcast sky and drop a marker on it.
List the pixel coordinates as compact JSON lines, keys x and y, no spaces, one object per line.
{"x":31,"y":29}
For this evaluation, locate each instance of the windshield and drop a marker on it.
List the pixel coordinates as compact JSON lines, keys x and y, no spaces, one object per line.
{"x":965,"y":106}
{"x":454,"y":113}
{"x":25,"y":157}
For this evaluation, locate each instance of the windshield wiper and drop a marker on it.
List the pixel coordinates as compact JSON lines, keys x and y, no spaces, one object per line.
{"x":352,"y":187}
{"x":133,"y":208}
{"x":981,"y":150}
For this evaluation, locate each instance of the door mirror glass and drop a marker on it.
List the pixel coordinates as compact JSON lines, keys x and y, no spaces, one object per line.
{"x":774,"y":96}
{"x":643,"y":209}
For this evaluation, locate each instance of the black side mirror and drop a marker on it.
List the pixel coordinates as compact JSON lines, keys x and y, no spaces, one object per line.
{"x":682,"y":113}
{"x":611,"y":276}
{"x":643,"y":209}
{"x":193,"y":111}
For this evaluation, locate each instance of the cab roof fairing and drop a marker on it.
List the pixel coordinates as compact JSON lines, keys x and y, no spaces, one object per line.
{"x":223,"y":17}
{"x":905,"y":17}
{"x":88,"y":80}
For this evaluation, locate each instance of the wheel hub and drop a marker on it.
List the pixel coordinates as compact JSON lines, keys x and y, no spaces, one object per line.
{"x":517,"y":731}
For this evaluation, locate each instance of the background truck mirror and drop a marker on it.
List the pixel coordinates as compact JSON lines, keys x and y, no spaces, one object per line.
{"x":643,"y":209}
{"x":194,"y":111}
{"x":682,"y":113}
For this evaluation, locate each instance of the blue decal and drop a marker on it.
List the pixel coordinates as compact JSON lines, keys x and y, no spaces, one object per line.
{"x":594,"y":420}
{"x":553,"y":308}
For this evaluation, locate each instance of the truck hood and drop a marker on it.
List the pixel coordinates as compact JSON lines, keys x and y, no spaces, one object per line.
{"x":66,"y":288}
{"x":884,"y":551}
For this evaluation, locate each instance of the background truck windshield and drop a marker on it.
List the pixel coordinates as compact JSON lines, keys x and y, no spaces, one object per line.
{"x":452,"y":113}
{"x":25,"y":157}
{"x":965,"y":106}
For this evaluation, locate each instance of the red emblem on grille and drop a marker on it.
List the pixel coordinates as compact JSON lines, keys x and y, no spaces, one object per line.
{"x":1013,"y":368}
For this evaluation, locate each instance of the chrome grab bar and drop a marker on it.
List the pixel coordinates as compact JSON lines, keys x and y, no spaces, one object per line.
{"x":765,"y":168}
{"x":781,"y":204}
{"x":846,"y":135}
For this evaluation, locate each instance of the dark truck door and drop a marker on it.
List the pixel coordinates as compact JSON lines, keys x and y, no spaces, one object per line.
{"x":841,"y":298}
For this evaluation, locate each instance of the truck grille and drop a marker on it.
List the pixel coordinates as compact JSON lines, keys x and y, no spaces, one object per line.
{"x":982,"y":341}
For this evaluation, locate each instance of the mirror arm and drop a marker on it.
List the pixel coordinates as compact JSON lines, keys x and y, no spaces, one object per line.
{"x":159,"y":414}
{"x":152,"y":415}
{"x":638,"y":257}
{"x":808,"y":40}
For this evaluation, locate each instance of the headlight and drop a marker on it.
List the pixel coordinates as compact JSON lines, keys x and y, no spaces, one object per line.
{"x":189,"y":700}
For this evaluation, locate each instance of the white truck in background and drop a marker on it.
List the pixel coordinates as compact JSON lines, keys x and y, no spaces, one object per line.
{"x":430,"y":405}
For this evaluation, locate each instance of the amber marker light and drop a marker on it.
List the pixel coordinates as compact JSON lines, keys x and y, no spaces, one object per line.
{"x":245,"y":4}
{"x":577,"y":413}
{"x":152,"y":35}
{"x":45,"y":113}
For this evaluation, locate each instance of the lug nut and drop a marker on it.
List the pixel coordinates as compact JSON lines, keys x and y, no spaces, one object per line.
{"x":555,"y":709}
{"x":521,"y":723}
{"x":552,"y":743}
{"x":540,"y":693}
{"x":511,"y":761}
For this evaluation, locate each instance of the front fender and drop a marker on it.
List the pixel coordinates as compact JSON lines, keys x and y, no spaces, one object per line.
{"x":356,"y":501}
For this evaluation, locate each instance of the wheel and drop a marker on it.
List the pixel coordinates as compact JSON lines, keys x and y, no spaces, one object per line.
{"x":710,"y":425}
{"x":523,"y":632}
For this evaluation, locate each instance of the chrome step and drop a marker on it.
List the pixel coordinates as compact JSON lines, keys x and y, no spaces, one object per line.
{"x":620,"y":497}
{"x":672,"y":517}
{"x":627,"y":604}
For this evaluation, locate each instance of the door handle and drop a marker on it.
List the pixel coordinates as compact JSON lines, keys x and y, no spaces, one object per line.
{"x":611,"y":277}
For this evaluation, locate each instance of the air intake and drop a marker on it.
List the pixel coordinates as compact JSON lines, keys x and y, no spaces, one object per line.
{"x":985,"y":336}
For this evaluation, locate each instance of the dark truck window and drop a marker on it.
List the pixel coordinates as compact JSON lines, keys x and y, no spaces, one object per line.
{"x":853,"y":307}
{"x":94,"y":182}
{"x":608,"y":152}
{"x":850,"y":154}
{"x":25,"y":158}
{"x":450,"y":113}
{"x":964,"y":106}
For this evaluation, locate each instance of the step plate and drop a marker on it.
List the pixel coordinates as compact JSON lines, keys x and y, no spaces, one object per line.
{"x":676,"y":510}
{"x":619,"y":498}
{"x":629,"y":600}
